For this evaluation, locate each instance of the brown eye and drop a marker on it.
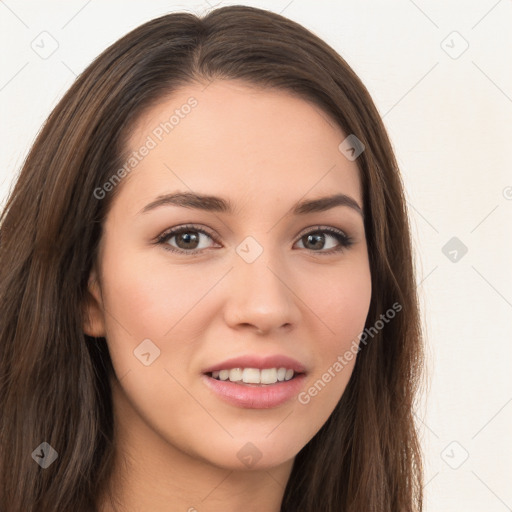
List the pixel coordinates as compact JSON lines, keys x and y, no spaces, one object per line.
{"x":191,"y":240}
{"x":186,"y":239}
{"x":318,"y":240}
{"x":314,"y":241}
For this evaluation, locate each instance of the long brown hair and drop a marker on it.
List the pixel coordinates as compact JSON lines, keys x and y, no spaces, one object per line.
{"x":54,"y":379}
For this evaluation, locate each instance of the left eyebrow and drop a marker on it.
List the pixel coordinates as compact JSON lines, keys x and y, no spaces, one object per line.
{"x":221,"y":205}
{"x":326,"y":203}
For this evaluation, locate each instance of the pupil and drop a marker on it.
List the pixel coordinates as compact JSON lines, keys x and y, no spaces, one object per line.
{"x":318,"y":238}
{"x":187,"y":238}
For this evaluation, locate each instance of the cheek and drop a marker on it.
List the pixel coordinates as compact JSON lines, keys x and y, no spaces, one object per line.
{"x":341,"y":303}
{"x":340,"y":299}
{"x":149,"y":298}
{"x":144,"y":301}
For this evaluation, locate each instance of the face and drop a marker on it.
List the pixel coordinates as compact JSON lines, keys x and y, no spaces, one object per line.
{"x":251,"y":285}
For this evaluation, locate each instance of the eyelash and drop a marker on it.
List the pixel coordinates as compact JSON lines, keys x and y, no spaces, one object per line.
{"x":344,"y":240}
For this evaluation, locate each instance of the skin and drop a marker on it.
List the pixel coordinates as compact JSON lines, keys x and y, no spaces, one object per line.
{"x":177,"y":442}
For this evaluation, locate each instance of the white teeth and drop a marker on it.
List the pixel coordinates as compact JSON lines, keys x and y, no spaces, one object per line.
{"x":235,"y":374}
{"x":254,"y":375}
{"x":269,"y":376}
{"x":251,"y":376}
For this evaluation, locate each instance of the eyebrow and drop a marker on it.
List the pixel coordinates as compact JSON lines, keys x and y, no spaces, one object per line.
{"x":221,"y":205}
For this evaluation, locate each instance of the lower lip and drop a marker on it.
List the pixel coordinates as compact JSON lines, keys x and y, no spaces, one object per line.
{"x":255,"y":396}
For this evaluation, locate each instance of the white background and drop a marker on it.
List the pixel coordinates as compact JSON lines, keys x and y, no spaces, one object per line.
{"x":449,"y":118}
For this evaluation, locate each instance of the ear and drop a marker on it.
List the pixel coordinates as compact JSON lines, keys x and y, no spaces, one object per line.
{"x":94,"y":316}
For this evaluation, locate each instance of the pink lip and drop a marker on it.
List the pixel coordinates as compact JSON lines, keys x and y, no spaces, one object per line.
{"x":254,"y":396}
{"x":254,"y":361}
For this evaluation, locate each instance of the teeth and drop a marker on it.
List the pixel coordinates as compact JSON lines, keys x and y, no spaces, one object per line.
{"x":235,"y":374}
{"x":269,"y":376}
{"x":251,"y":376}
{"x":254,"y":375}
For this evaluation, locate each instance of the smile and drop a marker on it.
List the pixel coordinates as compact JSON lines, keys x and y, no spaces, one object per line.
{"x":251,"y":395}
{"x":254,"y":375}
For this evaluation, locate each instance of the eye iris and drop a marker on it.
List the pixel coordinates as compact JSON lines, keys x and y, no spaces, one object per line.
{"x":318,"y":239}
{"x":188,"y":239}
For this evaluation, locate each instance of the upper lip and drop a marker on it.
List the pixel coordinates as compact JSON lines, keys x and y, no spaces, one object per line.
{"x":255,"y":361}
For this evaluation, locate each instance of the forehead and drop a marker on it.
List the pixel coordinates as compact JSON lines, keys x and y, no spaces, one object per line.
{"x":232,"y":139}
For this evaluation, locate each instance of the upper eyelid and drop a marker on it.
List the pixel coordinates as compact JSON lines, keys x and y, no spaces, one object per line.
{"x":176,"y":230}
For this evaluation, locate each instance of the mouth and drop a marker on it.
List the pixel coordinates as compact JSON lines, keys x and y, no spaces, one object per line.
{"x":255,"y":381}
{"x":255,"y":376}
{"x":255,"y":388}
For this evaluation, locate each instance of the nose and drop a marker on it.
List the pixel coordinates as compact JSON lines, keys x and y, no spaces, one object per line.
{"x":261,"y":297}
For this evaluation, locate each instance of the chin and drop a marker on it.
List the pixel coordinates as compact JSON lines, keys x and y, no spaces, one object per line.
{"x":251,"y":455}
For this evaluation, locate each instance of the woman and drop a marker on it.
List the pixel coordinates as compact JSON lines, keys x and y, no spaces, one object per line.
{"x":207,"y":288}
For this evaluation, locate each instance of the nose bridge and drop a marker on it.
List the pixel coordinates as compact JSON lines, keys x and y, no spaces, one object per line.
{"x":260,"y":294}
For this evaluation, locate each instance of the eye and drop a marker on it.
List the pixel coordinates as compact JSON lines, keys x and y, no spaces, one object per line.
{"x":317,"y":239}
{"x":187,"y":240}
